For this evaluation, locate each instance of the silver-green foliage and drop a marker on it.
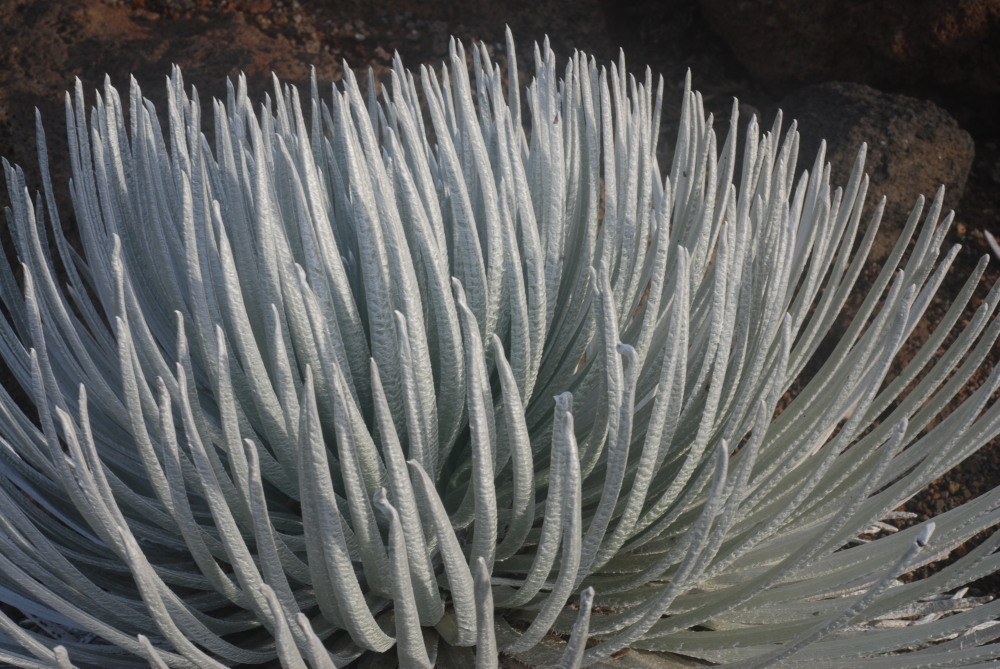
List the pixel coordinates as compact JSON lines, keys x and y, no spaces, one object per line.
{"x":432,"y":386}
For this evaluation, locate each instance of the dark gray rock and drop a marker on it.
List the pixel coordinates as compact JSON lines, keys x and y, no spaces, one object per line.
{"x":914,"y":146}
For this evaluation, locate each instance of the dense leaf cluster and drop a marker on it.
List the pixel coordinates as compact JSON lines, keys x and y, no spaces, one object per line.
{"x":400,"y":377}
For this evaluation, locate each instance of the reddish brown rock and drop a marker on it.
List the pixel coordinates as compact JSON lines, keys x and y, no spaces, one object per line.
{"x":914,"y":146}
{"x":915,"y":44}
{"x":49,"y":44}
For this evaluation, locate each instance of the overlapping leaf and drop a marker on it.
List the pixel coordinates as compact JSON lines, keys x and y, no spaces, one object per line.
{"x":410,"y":382}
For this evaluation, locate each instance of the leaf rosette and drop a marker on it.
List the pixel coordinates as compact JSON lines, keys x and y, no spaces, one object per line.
{"x":450,"y":370}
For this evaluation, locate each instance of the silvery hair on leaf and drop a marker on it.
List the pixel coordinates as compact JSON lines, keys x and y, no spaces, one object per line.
{"x":449,"y":371}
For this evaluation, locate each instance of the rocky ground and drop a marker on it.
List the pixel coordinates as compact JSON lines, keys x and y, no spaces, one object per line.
{"x":921,"y":87}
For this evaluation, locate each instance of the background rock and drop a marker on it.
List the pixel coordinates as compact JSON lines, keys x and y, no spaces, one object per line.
{"x":917,"y":43}
{"x":913,"y":146}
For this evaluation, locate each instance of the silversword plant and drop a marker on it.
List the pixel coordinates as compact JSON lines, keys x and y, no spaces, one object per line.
{"x":452,"y":371}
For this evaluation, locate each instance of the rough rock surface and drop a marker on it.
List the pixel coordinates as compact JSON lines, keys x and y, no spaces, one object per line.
{"x":951,"y":43}
{"x":913,"y":146}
